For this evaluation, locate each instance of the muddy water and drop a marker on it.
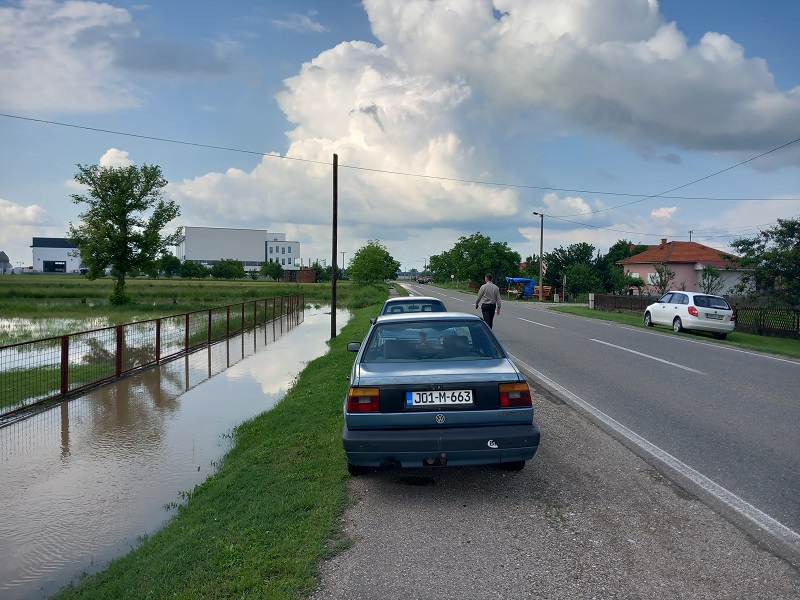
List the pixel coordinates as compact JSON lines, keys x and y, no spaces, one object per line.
{"x":82,"y":482}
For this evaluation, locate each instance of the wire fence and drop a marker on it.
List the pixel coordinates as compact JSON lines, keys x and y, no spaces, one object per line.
{"x":56,"y":367}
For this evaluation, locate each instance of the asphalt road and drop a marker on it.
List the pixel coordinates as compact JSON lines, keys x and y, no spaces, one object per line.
{"x":722,"y":422}
{"x":587,"y":518}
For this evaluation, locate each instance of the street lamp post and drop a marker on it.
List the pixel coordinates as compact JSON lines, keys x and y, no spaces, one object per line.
{"x":541,"y":255}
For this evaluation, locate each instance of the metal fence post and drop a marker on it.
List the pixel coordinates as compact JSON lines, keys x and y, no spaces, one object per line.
{"x":158,"y":340}
{"x":64,"y":365}
{"x":120,"y":345}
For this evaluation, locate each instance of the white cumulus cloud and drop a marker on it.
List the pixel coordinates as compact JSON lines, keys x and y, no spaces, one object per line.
{"x":60,"y":56}
{"x":665,"y":212}
{"x":115,"y":158}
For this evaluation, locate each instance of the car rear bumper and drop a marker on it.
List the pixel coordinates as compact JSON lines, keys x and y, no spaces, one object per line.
{"x":702,"y":324}
{"x":439,"y":447}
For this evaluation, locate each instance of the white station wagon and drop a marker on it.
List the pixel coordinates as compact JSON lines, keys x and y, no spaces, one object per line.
{"x":692,"y":311}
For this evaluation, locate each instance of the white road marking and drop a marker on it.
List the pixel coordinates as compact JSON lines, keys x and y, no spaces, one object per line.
{"x":666,"y":362}
{"x":536,"y":323}
{"x":734,"y":502}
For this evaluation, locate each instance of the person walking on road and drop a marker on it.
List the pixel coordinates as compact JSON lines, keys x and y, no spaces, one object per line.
{"x":489,"y":300}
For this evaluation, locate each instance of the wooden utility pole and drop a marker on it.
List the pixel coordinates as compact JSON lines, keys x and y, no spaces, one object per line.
{"x":334,"y":245}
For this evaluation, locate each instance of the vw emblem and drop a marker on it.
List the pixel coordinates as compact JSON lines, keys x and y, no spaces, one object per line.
{"x":440,"y":418}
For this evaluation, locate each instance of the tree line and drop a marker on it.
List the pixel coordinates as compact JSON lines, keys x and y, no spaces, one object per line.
{"x":586,"y":269}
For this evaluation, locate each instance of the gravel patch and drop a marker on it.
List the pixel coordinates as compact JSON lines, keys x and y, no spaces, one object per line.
{"x":586,"y":518}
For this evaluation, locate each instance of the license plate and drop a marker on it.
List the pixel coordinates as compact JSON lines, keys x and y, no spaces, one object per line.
{"x":439,"y":398}
{"x":711,"y":316}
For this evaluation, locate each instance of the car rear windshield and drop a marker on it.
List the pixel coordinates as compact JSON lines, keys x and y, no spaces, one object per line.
{"x":711,"y":302}
{"x":431,"y":341}
{"x":412,"y":307}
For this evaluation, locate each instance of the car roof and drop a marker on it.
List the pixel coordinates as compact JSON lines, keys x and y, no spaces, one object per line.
{"x":427,"y":316}
{"x":691,"y":293}
{"x":412,"y":299}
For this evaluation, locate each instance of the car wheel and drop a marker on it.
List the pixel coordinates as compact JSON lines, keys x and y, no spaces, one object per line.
{"x":720,"y":336}
{"x":514,"y":465}
{"x":677,"y":326}
{"x":648,"y":321}
{"x":356,"y":470}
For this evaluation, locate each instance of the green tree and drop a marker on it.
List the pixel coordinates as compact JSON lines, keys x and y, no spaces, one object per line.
{"x":228,"y":268}
{"x":474,"y":256}
{"x":581,"y":278}
{"x":772,"y":263}
{"x":711,"y":281}
{"x":372,"y":263}
{"x":169,"y":264}
{"x":531,"y":268}
{"x":619,"y":282}
{"x":322,"y":274}
{"x":662,"y":279}
{"x":273,"y":270}
{"x":190,"y":269}
{"x":115,"y":231}
{"x":559,"y":259}
{"x":613,"y":275}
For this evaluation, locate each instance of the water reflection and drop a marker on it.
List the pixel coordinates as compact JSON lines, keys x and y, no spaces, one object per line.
{"x":82,"y":481}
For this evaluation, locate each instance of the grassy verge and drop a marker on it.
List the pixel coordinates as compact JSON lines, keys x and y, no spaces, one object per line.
{"x":257,"y":528}
{"x":738,"y":339}
{"x":401,"y":291}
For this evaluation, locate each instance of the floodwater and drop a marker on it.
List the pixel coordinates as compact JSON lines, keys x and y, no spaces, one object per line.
{"x":82,"y":482}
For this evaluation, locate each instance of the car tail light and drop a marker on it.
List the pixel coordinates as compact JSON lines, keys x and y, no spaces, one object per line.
{"x":733,"y":316}
{"x":693,"y":311}
{"x":364,"y":400}
{"x":515,"y":394}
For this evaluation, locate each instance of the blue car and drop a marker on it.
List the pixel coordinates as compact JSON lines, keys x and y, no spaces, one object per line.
{"x":434,"y":390}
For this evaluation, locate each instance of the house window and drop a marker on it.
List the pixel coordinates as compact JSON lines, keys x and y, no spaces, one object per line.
{"x":634,"y":275}
{"x":270,"y":249}
{"x":290,"y":249}
{"x":283,"y":261}
{"x":283,"y":250}
{"x":652,"y":278}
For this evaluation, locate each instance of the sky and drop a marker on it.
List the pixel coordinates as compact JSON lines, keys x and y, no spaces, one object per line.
{"x":615,"y":119}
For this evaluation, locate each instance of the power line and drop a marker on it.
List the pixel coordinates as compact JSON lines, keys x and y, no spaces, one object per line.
{"x":641,"y":198}
{"x":165,"y":140}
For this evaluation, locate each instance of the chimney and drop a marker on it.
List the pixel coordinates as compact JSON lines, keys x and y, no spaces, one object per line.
{"x":663,"y":241}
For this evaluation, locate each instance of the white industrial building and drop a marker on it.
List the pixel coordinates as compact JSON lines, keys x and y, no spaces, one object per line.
{"x":55,"y":255}
{"x":252,"y":247}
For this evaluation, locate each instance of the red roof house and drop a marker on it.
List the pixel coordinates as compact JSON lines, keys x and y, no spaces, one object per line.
{"x":687,"y":260}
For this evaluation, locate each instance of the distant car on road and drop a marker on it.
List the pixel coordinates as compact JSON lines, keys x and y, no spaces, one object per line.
{"x":695,"y":311}
{"x":412,"y":304}
{"x":424,"y":279}
{"x":436,"y":389}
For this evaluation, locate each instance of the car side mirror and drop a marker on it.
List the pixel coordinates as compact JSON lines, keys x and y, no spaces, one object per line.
{"x":372,"y":320}
{"x":353,"y":346}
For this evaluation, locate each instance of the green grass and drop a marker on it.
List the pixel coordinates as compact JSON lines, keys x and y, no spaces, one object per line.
{"x":74,"y":296}
{"x":401,"y":291}
{"x":738,"y":339}
{"x":259,"y":526}
{"x":43,"y":297}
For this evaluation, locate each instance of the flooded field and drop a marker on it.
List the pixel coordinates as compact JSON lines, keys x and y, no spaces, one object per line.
{"x":84,"y":481}
{"x":16,"y":329}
